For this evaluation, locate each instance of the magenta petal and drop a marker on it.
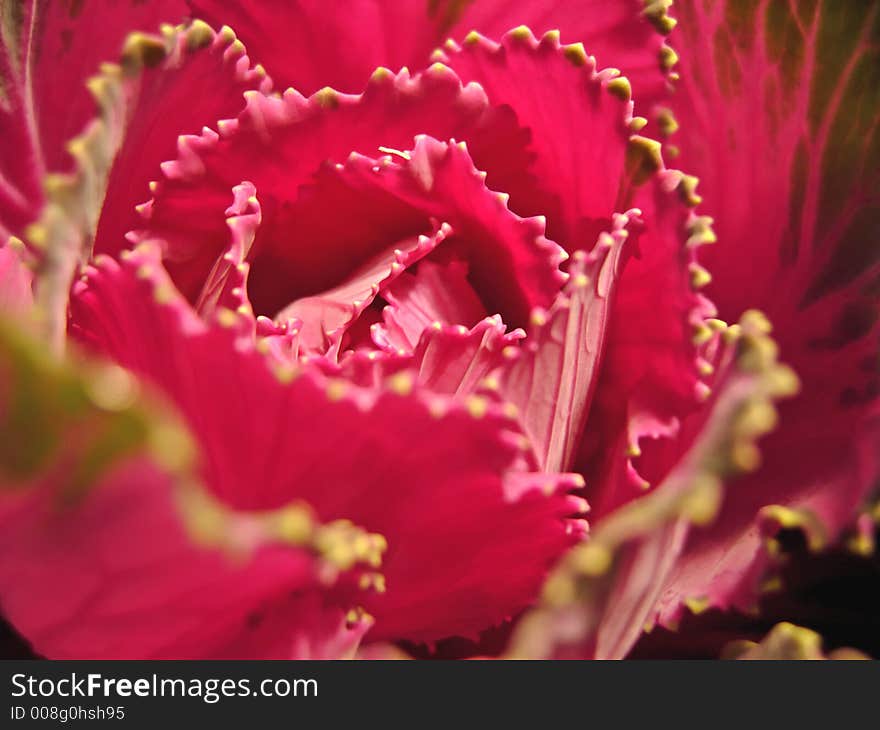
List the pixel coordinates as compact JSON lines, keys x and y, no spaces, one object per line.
{"x":49,"y":52}
{"x":325,"y":317}
{"x":321,"y":250}
{"x":201,"y":82}
{"x":438,"y":293}
{"x":727,"y":565}
{"x":510,"y":263}
{"x":111,"y":547}
{"x":782,"y":140}
{"x":314,"y":628}
{"x":577,"y":123}
{"x":125,"y":142}
{"x":621,"y":34}
{"x":782,"y":134}
{"x":349,"y":453}
{"x":92,"y":581}
{"x":612,"y":588}
{"x":472,"y":582}
{"x":651,"y":373}
{"x":448,"y":359}
{"x":553,"y":379}
{"x":456,"y":361}
{"x":310,"y":44}
{"x":224,"y":292}
{"x":279,"y":144}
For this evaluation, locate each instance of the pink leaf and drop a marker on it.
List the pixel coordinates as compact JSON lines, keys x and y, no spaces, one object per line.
{"x":650,"y":378}
{"x":396,"y":460}
{"x":323,"y":255}
{"x":622,"y":34}
{"x":280,"y":144}
{"x":200,"y":83}
{"x":437,"y":293}
{"x":553,"y":379}
{"x":49,"y":52}
{"x":93,"y":581}
{"x":783,"y":135}
{"x":569,"y":163}
{"x":310,"y":44}
{"x":610,"y":589}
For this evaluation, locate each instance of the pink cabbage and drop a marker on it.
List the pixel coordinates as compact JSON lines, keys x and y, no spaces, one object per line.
{"x":335,"y":345}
